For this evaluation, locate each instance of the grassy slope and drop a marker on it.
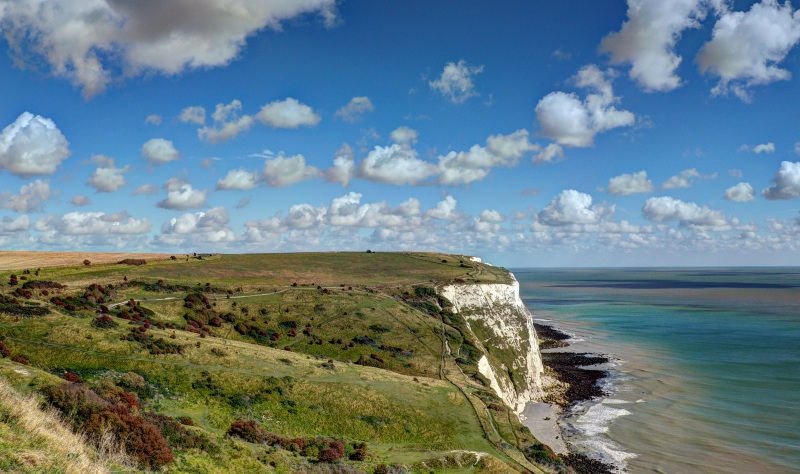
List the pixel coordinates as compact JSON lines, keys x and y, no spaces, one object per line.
{"x":407,"y":413}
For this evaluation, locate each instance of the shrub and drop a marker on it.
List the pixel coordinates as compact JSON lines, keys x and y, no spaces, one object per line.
{"x":185,"y":420}
{"x":20,"y":360}
{"x":141,"y":439}
{"x":4,"y":352}
{"x":104,"y":322}
{"x":133,"y":261}
{"x":87,"y":262}
{"x":329,"y":455}
{"x":70,"y":377}
{"x":248,"y":430}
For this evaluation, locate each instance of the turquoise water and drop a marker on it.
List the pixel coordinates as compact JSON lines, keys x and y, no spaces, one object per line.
{"x":706,"y":370}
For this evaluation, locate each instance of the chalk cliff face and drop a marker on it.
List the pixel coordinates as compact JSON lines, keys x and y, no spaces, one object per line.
{"x":501,"y":322}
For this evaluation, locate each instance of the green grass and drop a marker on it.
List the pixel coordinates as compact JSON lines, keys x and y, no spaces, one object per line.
{"x":402,"y":408}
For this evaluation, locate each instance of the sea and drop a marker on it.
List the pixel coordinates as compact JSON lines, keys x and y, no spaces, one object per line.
{"x":704,"y":374}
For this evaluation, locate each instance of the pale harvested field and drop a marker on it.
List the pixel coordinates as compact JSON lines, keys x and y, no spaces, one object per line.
{"x":14,"y":260}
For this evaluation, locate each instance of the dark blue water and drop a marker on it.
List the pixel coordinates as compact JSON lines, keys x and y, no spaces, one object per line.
{"x":707,"y":377}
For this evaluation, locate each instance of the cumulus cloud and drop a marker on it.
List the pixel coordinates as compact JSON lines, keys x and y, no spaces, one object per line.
{"x":570,"y":121}
{"x":153,"y":119}
{"x":444,"y":210}
{"x":146,"y":189}
{"x":746,"y":47}
{"x":181,"y":196}
{"x":355,"y":109}
{"x":209,"y":227}
{"x":9,"y":226}
{"x":107,"y":178}
{"x":455,"y":81}
{"x":343,"y":168}
{"x":647,"y":39}
{"x":627,"y":184}
{"x":238,"y":179}
{"x":741,"y":192}
{"x":228,"y":122}
{"x":92,"y":228}
{"x":684,"y":179}
{"x":550,"y":153}
{"x":87,"y":42}
{"x":464,"y":167}
{"x":758,"y":149}
{"x":158,"y":151}
{"x":30,"y":198}
{"x":194,"y":114}
{"x":283,"y":171}
{"x":572,"y":207}
{"x":786,"y":184}
{"x":688,"y":214}
{"x":288,"y":113}
{"x":32,"y":146}
{"x":395,"y":164}
{"x":347,"y":211}
{"x":80,"y":200}
{"x":405,"y":136}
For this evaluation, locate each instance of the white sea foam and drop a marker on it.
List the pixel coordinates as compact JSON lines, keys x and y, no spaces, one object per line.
{"x":598,"y":418}
{"x":608,"y":452}
{"x":542,"y":319}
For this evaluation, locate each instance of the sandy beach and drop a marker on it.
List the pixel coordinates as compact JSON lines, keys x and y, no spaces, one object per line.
{"x":542,"y":419}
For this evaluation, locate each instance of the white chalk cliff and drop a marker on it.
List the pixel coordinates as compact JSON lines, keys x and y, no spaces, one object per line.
{"x":503,"y":325}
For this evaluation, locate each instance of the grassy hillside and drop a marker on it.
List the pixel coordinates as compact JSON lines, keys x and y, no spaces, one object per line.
{"x":329,"y":362}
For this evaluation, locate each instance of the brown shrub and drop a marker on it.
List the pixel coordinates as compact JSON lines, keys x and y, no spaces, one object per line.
{"x":20,"y":360}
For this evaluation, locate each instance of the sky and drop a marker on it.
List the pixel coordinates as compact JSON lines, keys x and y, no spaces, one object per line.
{"x":552,"y":133}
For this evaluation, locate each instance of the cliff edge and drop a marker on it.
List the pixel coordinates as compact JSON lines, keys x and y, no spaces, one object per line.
{"x":503,"y":325}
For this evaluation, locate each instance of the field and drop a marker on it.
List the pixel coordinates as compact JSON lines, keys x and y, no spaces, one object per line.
{"x":275,"y":362}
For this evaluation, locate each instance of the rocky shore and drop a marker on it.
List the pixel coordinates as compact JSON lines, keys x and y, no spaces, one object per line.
{"x":578,"y":384}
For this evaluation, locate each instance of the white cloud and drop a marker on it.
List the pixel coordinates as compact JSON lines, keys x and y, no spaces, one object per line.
{"x":354,"y":109}
{"x":194,"y":114}
{"x":647,"y":39}
{"x":572,"y":122}
{"x":32,"y":146}
{"x":283,"y":171}
{"x":288,"y":113}
{"x":238,"y":179}
{"x":797,"y":148}
{"x":343,"y":168}
{"x":758,"y":149}
{"x":550,"y":153}
{"x":227,"y":123}
{"x":80,"y":200}
{"x":395,"y":164}
{"x":14,"y":226}
{"x":181,"y":196}
{"x":404,"y":136}
{"x":490,"y":215}
{"x":91,"y":223}
{"x":627,"y":184}
{"x":741,"y":192}
{"x":688,"y":214}
{"x":572,"y":207}
{"x":347,"y":211}
{"x":464,"y":167}
{"x":146,"y":189}
{"x":88,"y":41}
{"x":456,"y":81}
{"x":746,"y":47}
{"x":107,"y":178}
{"x":209,"y":227}
{"x":786,"y":182}
{"x":764,"y":148}
{"x":30,"y":198}
{"x":153,"y":119}
{"x":735,"y":173}
{"x":158,"y":151}
{"x":444,"y":210}
{"x":304,"y":216}
{"x":683,"y":180}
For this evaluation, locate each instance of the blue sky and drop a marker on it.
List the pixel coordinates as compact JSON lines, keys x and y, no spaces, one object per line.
{"x":529,"y":133}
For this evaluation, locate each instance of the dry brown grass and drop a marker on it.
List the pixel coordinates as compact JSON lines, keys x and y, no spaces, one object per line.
{"x":15,"y":260}
{"x":39,"y":440}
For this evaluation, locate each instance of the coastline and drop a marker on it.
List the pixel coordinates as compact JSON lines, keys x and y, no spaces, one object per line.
{"x":571,"y":385}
